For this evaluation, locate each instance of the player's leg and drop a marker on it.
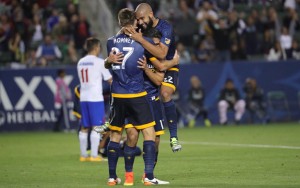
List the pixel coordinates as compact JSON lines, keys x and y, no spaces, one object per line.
{"x":142,"y":119}
{"x":117,"y":119}
{"x":204,"y":114}
{"x":129,"y":153}
{"x":113,"y":148}
{"x":167,"y":89}
{"x":83,"y":132}
{"x":97,"y":114}
{"x":222,"y":107}
{"x":239,"y":108}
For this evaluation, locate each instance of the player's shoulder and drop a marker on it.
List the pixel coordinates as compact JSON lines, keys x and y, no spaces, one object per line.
{"x":164,"y":24}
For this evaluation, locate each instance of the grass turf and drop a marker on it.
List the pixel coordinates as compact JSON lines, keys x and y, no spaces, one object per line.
{"x":46,"y":159}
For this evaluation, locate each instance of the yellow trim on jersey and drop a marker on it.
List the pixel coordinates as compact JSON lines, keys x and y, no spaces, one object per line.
{"x":115,"y":128}
{"x":169,"y":85}
{"x":76,"y":114}
{"x":174,"y":69}
{"x":159,"y":133}
{"x":157,"y":98}
{"x":153,"y":59}
{"x":129,"y":95}
{"x":77,"y":92}
{"x":127,"y":126}
{"x":144,"y":126}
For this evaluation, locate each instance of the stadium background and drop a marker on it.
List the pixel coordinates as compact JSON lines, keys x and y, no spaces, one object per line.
{"x":69,"y":23}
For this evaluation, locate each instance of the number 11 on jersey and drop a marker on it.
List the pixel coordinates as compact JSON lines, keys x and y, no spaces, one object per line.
{"x":84,"y":75}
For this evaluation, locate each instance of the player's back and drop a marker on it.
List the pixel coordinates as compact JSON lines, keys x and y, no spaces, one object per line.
{"x":127,"y":77}
{"x":89,"y":69}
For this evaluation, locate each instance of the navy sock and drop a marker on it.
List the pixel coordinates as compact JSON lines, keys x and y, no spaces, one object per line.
{"x":171,"y":115}
{"x":129,"y":156}
{"x":155,"y":159}
{"x":113,"y":156}
{"x":149,"y":156}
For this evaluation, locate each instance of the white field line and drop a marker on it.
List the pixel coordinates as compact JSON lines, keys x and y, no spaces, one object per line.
{"x":240,"y":145}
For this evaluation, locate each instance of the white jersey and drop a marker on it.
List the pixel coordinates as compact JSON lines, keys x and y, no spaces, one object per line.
{"x":91,"y":72}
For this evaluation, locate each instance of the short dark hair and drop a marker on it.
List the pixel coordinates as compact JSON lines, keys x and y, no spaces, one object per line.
{"x":91,"y":43}
{"x":126,"y":17}
{"x":153,"y":33}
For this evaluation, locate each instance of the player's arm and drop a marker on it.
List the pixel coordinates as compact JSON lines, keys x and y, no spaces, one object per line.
{"x":155,"y":76}
{"x":160,"y":51}
{"x":163,"y":65}
{"x":113,"y":56}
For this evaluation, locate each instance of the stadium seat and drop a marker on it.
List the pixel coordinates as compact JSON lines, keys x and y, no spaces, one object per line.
{"x":278,"y":105}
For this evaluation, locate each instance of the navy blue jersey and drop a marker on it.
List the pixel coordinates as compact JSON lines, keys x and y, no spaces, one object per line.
{"x":76,"y":102}
{"x":168,"y":37}
{"x":128,"y":79}
{"x":151,"y":88}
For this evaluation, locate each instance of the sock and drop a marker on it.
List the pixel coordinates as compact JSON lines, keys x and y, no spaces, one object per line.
{"x":155,"y":159}
{"x":171,"y":115}
{"x":149,"y":156}
{"x":129,"y":156}
{"x":113,"y":156}
{"x":83,"y":143}
{"x":95,"y":139}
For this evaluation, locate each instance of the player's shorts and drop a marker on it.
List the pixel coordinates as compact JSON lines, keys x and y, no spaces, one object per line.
{"x":171,"y":78}
{"x":92,"y":113}
{"x":156,"y":109}
{"x":136,"y":111}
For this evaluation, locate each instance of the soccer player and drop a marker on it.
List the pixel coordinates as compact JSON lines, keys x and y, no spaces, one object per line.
{"x":91,"y":72}
{"x":153,"y":80}
{"x":129,"y":100}
{"x":165,"y":50}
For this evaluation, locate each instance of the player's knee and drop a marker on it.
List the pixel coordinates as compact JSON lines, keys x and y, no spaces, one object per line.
{"x":222,"y":104}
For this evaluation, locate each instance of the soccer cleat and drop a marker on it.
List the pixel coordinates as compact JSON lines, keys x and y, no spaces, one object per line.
{"x":192,"y":123}
{"x":160,"y":182}
{"x":150,"y":182}
{"x":129,"y":179}
{"x":207,"y":123}
{"x":97,"y":159}
{"x":83,"y":159}
{"x":102,"y":129}
{"x":113,"y":182}
{"x":175,"y":144}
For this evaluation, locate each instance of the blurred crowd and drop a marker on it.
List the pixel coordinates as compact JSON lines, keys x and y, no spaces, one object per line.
{"x":41,"y":32}
{"x":52,"y":32}
{"x":229,"y":30}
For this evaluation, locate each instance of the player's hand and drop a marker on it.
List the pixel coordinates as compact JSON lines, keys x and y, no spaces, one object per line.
{"x":115,"y":57}
{"x":142,"y":63}
{"x":176,"y":58}
{"x":137,"y":36}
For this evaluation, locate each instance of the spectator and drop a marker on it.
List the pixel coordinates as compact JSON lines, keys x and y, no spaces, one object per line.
{"x":167,"y":9}
{"x":62,"y":96}
{"x":275,"y":53}
{"x":71,"y":10}
{"x":185,"y":23}
{"x":61,"y":31}
{"x":196,"y":97}
{"x":286,"y":43}
{"x":72,"y":56}
{"x":81,"y":31}
{"x":36,"y":10}
{"x":223,"y":5}
{"x":17,"y":48}
{"x":255,"y":100}
{"x":267,"y":42}
{"x":185,"y":57}
{"x":202,"y":54}
{"x":230,"y":99}
{"x":36,"y":30}
{"x":5,"y":32}
{"x":237,"y":52}
{"x":49,"y":51}
{"x":203,"y":14}
{"x":251,"y":37}
{"x":295,"y":50}
{"x":52,"y":20}
{"x":32,"y":61}
{"x":221,"y":34}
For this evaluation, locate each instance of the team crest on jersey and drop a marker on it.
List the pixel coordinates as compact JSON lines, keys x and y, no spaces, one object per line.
{"x":167,"y":41}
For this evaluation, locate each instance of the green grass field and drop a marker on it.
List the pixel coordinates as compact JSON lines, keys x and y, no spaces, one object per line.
{"x":235,"y":156}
